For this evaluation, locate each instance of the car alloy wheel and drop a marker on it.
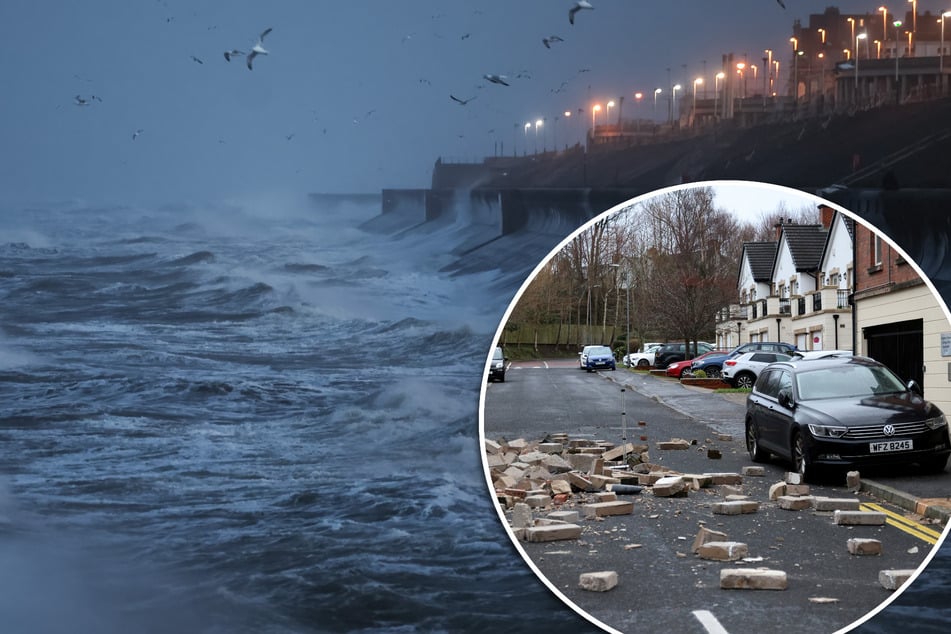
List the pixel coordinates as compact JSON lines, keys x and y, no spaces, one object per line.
{"x":752,"y":443}
{"x":714,"y":372}
{"x":642,"y":363}
{"x":800,"y":460}
{"x":744,"y":380}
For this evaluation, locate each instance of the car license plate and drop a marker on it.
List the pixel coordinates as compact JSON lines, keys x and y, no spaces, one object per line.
{"x":890,"y":445}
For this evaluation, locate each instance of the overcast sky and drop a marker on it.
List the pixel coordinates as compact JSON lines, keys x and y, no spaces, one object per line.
{"x":353,"y":97}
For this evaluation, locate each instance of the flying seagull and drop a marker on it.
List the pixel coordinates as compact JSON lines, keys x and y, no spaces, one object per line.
{"x":137,"y":133}
{"x":781,"y":3}
{"x":548,"y":41}
{"x":233,"y":53}
{"x":579,"y":5}
{"x":258,"y":48}
{"x":80,"y":101}
{"x":497,"y":79}
{"x":197,"y":60}
{"x":461,"y":102}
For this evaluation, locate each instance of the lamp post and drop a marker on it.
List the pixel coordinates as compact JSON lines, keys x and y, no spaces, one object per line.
{"x":716,"y":92}
{"x":878,"y":49}
{"x":914,"y":16}
{"x":594,"y":116}
{"x":638,"y":96}
{"x":822,"y":35}
{"x":673,"y":97}
{"x":740,"y":67}
{"x":768,"y":72}
{"x":946,"y":14}
{"x":567,"y":116}
{"x":607,"y":113}
{"x":528,"y":126}
{"x":538,"y":124}
{"x":851,"y":21}
{"x":884,"y":22}
{"x":860,"y":36}
{"x":897,"y":24}
{"x":696,"y":82}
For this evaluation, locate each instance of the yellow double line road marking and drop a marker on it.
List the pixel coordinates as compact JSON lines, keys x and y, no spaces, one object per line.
{"x":902,"y":523}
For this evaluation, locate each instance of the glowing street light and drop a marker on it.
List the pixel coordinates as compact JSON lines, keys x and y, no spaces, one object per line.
{"x":848,"y":53}
{"x":860,"y":36}
{"x":946,"y":14}
{"x":914,"y":26}
{"x":716,"y":91}
{"x":696,"y":82}
{"x":638,"y":96}
{"x":607,"y":113}
{"x":657,"y":91}
{"x":884,"y":23}
{"x":673,"y":98}
{"x":795,"y":43}
{"x":538,"y":124}
{"x":897,"y":24}
{"x":822,"y":34}
{"x":878,"y":49}
{"x":852,"y":22}
{"x":594,"y":116}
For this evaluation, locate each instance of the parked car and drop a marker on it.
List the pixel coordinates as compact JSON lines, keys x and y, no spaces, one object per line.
{"x":497,"y":365}
{"x":599,"y":357}
{"x":583,"y":357}
{"x":843,"y":411}
{"x":671,"y":352}
{"x":743,"y":370}
{"x":679,"y":368}
{"x":713,"y":364}
{"x":643,"y":359}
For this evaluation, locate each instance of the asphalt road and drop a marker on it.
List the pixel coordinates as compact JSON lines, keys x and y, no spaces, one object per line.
{"x":662,"y":584}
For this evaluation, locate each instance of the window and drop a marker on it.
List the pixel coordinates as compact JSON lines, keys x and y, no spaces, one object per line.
{"x":876,"y":251}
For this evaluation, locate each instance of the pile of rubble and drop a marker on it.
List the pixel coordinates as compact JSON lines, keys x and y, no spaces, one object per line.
{"x":570,"y":480}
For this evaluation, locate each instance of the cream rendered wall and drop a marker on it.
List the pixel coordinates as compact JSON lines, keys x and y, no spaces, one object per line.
{"x":913,"y":303}
{"x":838,"y":253}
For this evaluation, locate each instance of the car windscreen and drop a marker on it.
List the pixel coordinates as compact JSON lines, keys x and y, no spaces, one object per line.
{"x":599,"y":351}
{"x":497,"y":355}
{"x":847,"y":381}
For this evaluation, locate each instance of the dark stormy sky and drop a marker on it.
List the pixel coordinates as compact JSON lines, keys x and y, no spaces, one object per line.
{"x":353,"y":97}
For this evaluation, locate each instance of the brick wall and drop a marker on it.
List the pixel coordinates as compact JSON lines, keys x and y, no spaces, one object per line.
{"x":882,"y":270}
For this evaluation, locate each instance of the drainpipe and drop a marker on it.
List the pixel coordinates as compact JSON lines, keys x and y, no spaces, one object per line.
{"x":779,"y":323}
{"x":835,"y":319}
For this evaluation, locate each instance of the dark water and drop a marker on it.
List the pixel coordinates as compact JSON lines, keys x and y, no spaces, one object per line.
{"x":258,"y":419}
{"x":245,"y":420}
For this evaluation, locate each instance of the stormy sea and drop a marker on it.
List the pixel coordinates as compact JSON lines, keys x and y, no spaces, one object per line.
{"x":259,"y":417}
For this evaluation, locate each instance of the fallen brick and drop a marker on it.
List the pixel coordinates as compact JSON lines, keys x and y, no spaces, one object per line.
{"x":606,"y":496}
{"x":522,"y":515}
{"x":725,"y":478}
{"x":580,"y":482}
{"x":723,"y":551}
{"x":776,"y":491}
{"x":793,"y":477}
{"x":836,"y":504}
{"x":551,"y":533}
{"x":602,"y":509}
{"x":570,"y":517}
{"x":853,"y":481}
{"x":673,"y":486}
{"x":598,"y":581}
{"x":859,"y":546}
{"x":726,"y":490}
{"x":560,"y":486}
{"x":893,"y":579}
{"x":551,"y":447}
{"x":755,"y":471}
{"x":752,"y":579}
{"x":674,"y":444}
{"x":858,"y":518}
{"x":706,"y":535}
{"x":518,"y":444}
{"x":602,"y":481}
{"x":492,"y":447}
{"x":538,"y":501}
{"x":556,"y":464}
{"x":797,"y":489}
{"x":725,"y":437}
{"x":794,"y":502}
{"x":735,"y":508}
{"x":619,"y":451}
{"x":699,"y":481}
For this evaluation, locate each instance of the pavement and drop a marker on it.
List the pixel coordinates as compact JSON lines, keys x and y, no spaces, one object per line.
{"x":925,"y":495}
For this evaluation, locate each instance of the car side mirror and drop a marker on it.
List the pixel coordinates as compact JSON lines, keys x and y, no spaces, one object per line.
{"x":913,"y":386}
{"x":785,"y":399}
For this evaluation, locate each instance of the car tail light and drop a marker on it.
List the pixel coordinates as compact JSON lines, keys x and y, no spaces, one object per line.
{"x":729,"y":363}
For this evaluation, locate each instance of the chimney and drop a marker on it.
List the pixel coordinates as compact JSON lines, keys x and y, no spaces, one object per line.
{"x":825,"y":216}
{"x":779,"y":229}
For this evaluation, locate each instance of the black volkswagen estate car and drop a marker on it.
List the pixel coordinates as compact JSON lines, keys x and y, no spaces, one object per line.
{"x":842,"y":411}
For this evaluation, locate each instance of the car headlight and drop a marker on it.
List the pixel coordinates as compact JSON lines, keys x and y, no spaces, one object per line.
{"x":498,"y":364}
{"x":827,"y":431}
{"x":937,"y":422}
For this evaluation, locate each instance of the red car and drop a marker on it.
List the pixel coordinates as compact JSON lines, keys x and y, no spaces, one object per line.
{"x":677,"y":368}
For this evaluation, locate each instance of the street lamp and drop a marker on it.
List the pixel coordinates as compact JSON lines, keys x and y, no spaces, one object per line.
{"x":740,"y":67}
{"x":594,"y":116}
{"x":567,"y":116}
{"x":716,"y":92}
{"x":528,"y":126}
{"x":822,"y":34}
{"x":607,"y":113}
{"x":884,"y":22}
{"x":673,"y":97}
{"x":897,"y":24}
{"x":852,"y":22}
{"x":657,"y":91}
{"x":946,"y":14}
{"x":637,"y":122}
{"x":914,"y":25}
{"x":860,"y":36}
{"x":696,"y":82}
{"x":538,"y":123}
{"x":878,"y":49}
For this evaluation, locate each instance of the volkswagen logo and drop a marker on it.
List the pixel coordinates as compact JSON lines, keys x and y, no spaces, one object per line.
{"x":888,"y":430}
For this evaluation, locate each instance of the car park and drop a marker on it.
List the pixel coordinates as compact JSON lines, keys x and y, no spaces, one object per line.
{"x":743,"y":370}
{"x":598,"y":357}
{"x":713,"y":364}
{"x":679,"y":369}
{"x":643,"y":359}
{"x":672,"y":352}
{"x":843,"y":412}
{"x":497,"y":365}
